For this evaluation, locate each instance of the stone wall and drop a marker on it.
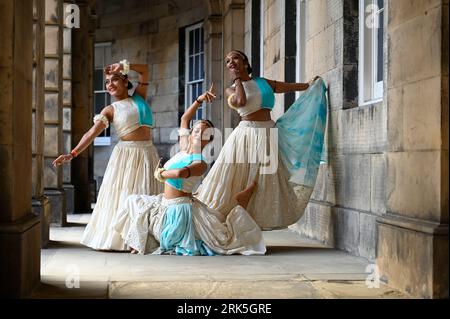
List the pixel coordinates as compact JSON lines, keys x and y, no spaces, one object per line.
{"x":413,"y":234}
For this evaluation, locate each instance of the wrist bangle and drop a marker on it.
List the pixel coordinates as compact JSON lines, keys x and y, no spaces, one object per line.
{"x":126,"y":67}
{"x":198,"y":101}
{"x":238,"y":78}
{"x":189,"y":172}
{"x":73,"y":153}
{"x":141,"y":83}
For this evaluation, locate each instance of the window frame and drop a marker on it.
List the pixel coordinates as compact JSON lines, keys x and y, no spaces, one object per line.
{"x":370,"y":90}
{"x":187,"y":87}
{"x":104,"y":140}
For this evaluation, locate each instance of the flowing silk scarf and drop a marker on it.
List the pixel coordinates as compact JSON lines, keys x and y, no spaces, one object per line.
{"x":301,"y":132}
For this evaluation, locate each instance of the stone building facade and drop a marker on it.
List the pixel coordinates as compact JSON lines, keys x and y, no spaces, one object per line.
{"x":383,"y":193}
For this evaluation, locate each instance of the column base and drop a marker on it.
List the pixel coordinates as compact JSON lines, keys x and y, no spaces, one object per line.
{"x":41,"y":207}
{"x":413,"y":255}
{"x":20,"y":257}
{"x":58,"y":206}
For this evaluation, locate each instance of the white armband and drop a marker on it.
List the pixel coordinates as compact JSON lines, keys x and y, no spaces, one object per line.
{"x":231,"y":104}
{"x":184,"y":132}
{"x":126,"y":67}
{"x":101,"y":117}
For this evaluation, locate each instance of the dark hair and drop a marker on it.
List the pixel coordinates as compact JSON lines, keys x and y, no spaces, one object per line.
{"x":130,"y":85}
{"x":245,"y":58}
{"x":209,"y":123}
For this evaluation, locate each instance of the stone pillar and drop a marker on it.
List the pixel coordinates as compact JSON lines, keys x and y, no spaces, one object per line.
{"x":413,"y":234}
{"x":82,"y":107}
{"x":53,"y":177}
{"x":214,"y":66}
{"x":67,"y":109}
{"x":40,"y":203}
{"x":19,"y":227}
{"x":233,"y":39}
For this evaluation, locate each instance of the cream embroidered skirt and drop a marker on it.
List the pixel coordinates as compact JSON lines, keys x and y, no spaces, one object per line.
{"x":274,"y":203}
{"x":143,"y":223}
{"x":129,"y":171}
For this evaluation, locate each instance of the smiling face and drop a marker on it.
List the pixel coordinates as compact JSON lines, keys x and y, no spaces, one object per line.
{"x":235,"y":62}
{"x":116,"y":85}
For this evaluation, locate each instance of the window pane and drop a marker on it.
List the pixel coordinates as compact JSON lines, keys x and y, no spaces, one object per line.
{"x":197,"y":67}
{"x":98,"y":57}
{"x":199,"y":88}
{"x":191,"y":68}
{"x":98,"y":80}
{"x":191,"y":42}
{"x":108,"y":55}
{"x":99,"y":102}
{"x":380,"y":48}
{"x":201,"y":40}
{"x":199,"y":113}
{"x":196,"y":40}
{"x":202,"y":67}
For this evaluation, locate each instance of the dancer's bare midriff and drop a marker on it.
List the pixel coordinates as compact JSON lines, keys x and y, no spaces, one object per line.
{"x":143,"y":133}
{"x":260,"y":115}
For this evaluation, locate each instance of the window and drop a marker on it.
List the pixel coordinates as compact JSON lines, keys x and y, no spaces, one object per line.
{"x":101,"y":95}
{"x":194,"y":67}
{"x":371,"y":38}
{"x":301,"y":43}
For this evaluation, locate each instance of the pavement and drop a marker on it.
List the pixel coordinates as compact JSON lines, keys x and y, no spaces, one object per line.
{"x":293,"y":268}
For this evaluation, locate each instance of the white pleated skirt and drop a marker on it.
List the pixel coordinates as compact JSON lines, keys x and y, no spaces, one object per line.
{"x":276,"y":203}
{"x":141,"y":220}
{"x":129,"y":171}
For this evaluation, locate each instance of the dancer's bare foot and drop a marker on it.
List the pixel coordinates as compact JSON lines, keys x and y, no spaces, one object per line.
{"x":134,"y":251}
{"x":244,"y":197}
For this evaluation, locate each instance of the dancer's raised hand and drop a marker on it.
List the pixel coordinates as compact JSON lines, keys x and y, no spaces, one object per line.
{"x":208,"y":96}
{"x":113,"y":68}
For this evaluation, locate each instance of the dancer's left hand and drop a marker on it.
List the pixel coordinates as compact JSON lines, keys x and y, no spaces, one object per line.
{"x":313,"y":80}
{"x":209,"y":95}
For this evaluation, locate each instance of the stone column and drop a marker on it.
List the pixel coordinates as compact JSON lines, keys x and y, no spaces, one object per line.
{"x":40,"y":203}
{"x":19,"y":227}
{"x":53,"y":177}
{"x":67,"y":109}
{"x":214,"y":66}
{"x":233,"y":39}
{"x":82,"y":107}
{"x":413,"y":234}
